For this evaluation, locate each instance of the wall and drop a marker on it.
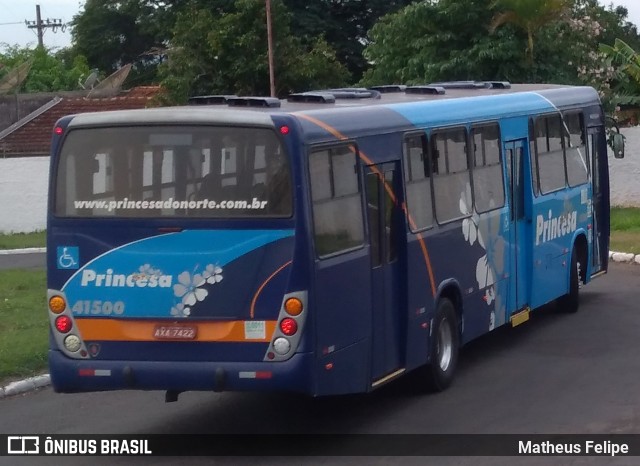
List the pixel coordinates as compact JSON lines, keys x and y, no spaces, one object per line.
{"x":23,"y":186}
{"x":625,"y":173}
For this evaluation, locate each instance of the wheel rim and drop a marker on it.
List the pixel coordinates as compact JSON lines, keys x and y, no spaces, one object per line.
{"x":445,"y":345}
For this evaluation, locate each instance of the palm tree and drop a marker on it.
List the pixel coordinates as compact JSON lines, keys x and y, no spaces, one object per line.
{"x":627,"y":76}
{"x":529,"y":15}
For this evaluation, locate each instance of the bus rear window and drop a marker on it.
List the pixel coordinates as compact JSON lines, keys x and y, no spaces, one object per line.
{"x":173,"y":171}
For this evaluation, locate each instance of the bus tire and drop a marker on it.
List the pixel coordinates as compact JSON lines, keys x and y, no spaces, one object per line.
{"x":443,"y":347}
{"x":570,"y":302}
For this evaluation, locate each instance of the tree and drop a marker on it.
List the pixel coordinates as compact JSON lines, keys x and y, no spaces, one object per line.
{"x":626,"y":67}
{"x":447,"y":40}
{"x":342,"y":23}
{"x":530,"y":16}
{"x":50,"y":71}
{"x":111,"y":34}
{"x":227,"y":54}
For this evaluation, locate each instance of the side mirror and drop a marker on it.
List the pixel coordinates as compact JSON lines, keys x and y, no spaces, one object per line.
{"x":617,"y":144}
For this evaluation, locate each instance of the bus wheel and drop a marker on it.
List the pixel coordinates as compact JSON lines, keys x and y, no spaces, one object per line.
{"x":570,"y":302}
{"x":443,"y":347}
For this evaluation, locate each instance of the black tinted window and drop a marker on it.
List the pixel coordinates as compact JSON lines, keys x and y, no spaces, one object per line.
{"x":173,"y":171}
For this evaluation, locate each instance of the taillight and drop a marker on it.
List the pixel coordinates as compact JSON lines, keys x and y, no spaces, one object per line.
{"x":293,"y":306}
{"x":57,"y":304}
{"x":63,"y":324}
{"x":288,"y":326}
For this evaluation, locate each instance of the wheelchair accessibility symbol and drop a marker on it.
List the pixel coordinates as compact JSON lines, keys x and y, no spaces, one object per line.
{"x":68,"y":257}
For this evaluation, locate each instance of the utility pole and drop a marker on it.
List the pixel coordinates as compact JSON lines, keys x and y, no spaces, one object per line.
{"x":42,"y":25}
{"x":272,"y":80}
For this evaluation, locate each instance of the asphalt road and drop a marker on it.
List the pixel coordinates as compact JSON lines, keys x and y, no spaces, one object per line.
{"x":558,"y":373}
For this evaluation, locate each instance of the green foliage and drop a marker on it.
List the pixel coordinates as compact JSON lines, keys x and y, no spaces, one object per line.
{"x":50,"y":72}
{"x":111,"y":34}
{"x":343,"y":24}
{"x":227,"y":54}
{"x":448,"y":40}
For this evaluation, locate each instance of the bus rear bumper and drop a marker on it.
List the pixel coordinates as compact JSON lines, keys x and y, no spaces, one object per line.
{"x":74,"y":375}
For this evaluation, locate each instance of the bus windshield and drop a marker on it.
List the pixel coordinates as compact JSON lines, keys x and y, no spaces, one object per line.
{"x":173,"y":171}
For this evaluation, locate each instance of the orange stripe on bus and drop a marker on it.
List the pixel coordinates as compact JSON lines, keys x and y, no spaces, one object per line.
{"x":142,"y":330}
{"x":423,"y":245}
{"x":252,"y":311}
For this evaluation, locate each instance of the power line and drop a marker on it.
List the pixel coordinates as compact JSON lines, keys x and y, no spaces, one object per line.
{"x":7,"y":24}
{"x":41,"y":25}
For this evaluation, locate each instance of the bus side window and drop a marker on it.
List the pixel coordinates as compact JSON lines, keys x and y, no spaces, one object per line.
{"x":488,"y":184}
{"x":337,"y":204}
{"x":549,"y":135}
{"x":418,"y":182}
{"x":451,"y":181}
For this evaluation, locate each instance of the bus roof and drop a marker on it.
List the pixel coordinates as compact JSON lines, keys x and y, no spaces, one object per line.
{"x":441,"y":104}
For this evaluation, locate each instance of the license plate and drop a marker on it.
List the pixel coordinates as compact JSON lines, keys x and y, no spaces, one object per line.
{"x":175,"y":332}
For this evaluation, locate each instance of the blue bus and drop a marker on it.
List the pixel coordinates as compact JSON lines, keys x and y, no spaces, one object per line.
{"x":324,"y":244}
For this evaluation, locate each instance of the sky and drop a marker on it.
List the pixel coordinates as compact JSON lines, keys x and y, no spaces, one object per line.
{"x":12,"y":11}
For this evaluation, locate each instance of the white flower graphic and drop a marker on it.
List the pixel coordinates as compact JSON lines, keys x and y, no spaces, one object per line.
{"x":189,"y":288}
{"x":484,"y":274}
{"x":212,"y":274}
{"x":469,"y":224}
{"x":149,"y":271}
{"x":492,"y":320}
{"x":490,"y":295}
{"x":179,"y":310}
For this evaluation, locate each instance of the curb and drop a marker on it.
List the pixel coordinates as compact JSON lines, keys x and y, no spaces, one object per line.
{"x":22,"y":251}
{"x":26,"y":385}
{"x":624,"y":257}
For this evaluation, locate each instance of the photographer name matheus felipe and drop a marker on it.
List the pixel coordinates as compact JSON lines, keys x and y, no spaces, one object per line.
{"x":587,"y":447}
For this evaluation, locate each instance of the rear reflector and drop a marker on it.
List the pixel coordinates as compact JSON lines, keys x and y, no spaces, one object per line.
{"x":94,"y":372}
{"x":255,"y":375}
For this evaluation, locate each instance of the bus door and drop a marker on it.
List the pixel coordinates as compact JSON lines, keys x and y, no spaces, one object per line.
{"x":600,"y":232}
{"x":516,"y":154}
{"x":384,"y":222}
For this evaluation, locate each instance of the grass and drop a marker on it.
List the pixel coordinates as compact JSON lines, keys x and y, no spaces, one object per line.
{"x":23,"y":323}
{"x":625,"y":229}
{"x":23,"y":240}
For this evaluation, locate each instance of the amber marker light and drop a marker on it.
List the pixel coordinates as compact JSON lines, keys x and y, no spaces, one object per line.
{"x":293,"y":306}
{"x":57,"y":304}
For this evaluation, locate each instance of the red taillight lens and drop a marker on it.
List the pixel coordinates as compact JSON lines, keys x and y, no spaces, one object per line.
{"x":58,"y":130}
{"x":288,"y":326}
{"x":63,"y":324}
